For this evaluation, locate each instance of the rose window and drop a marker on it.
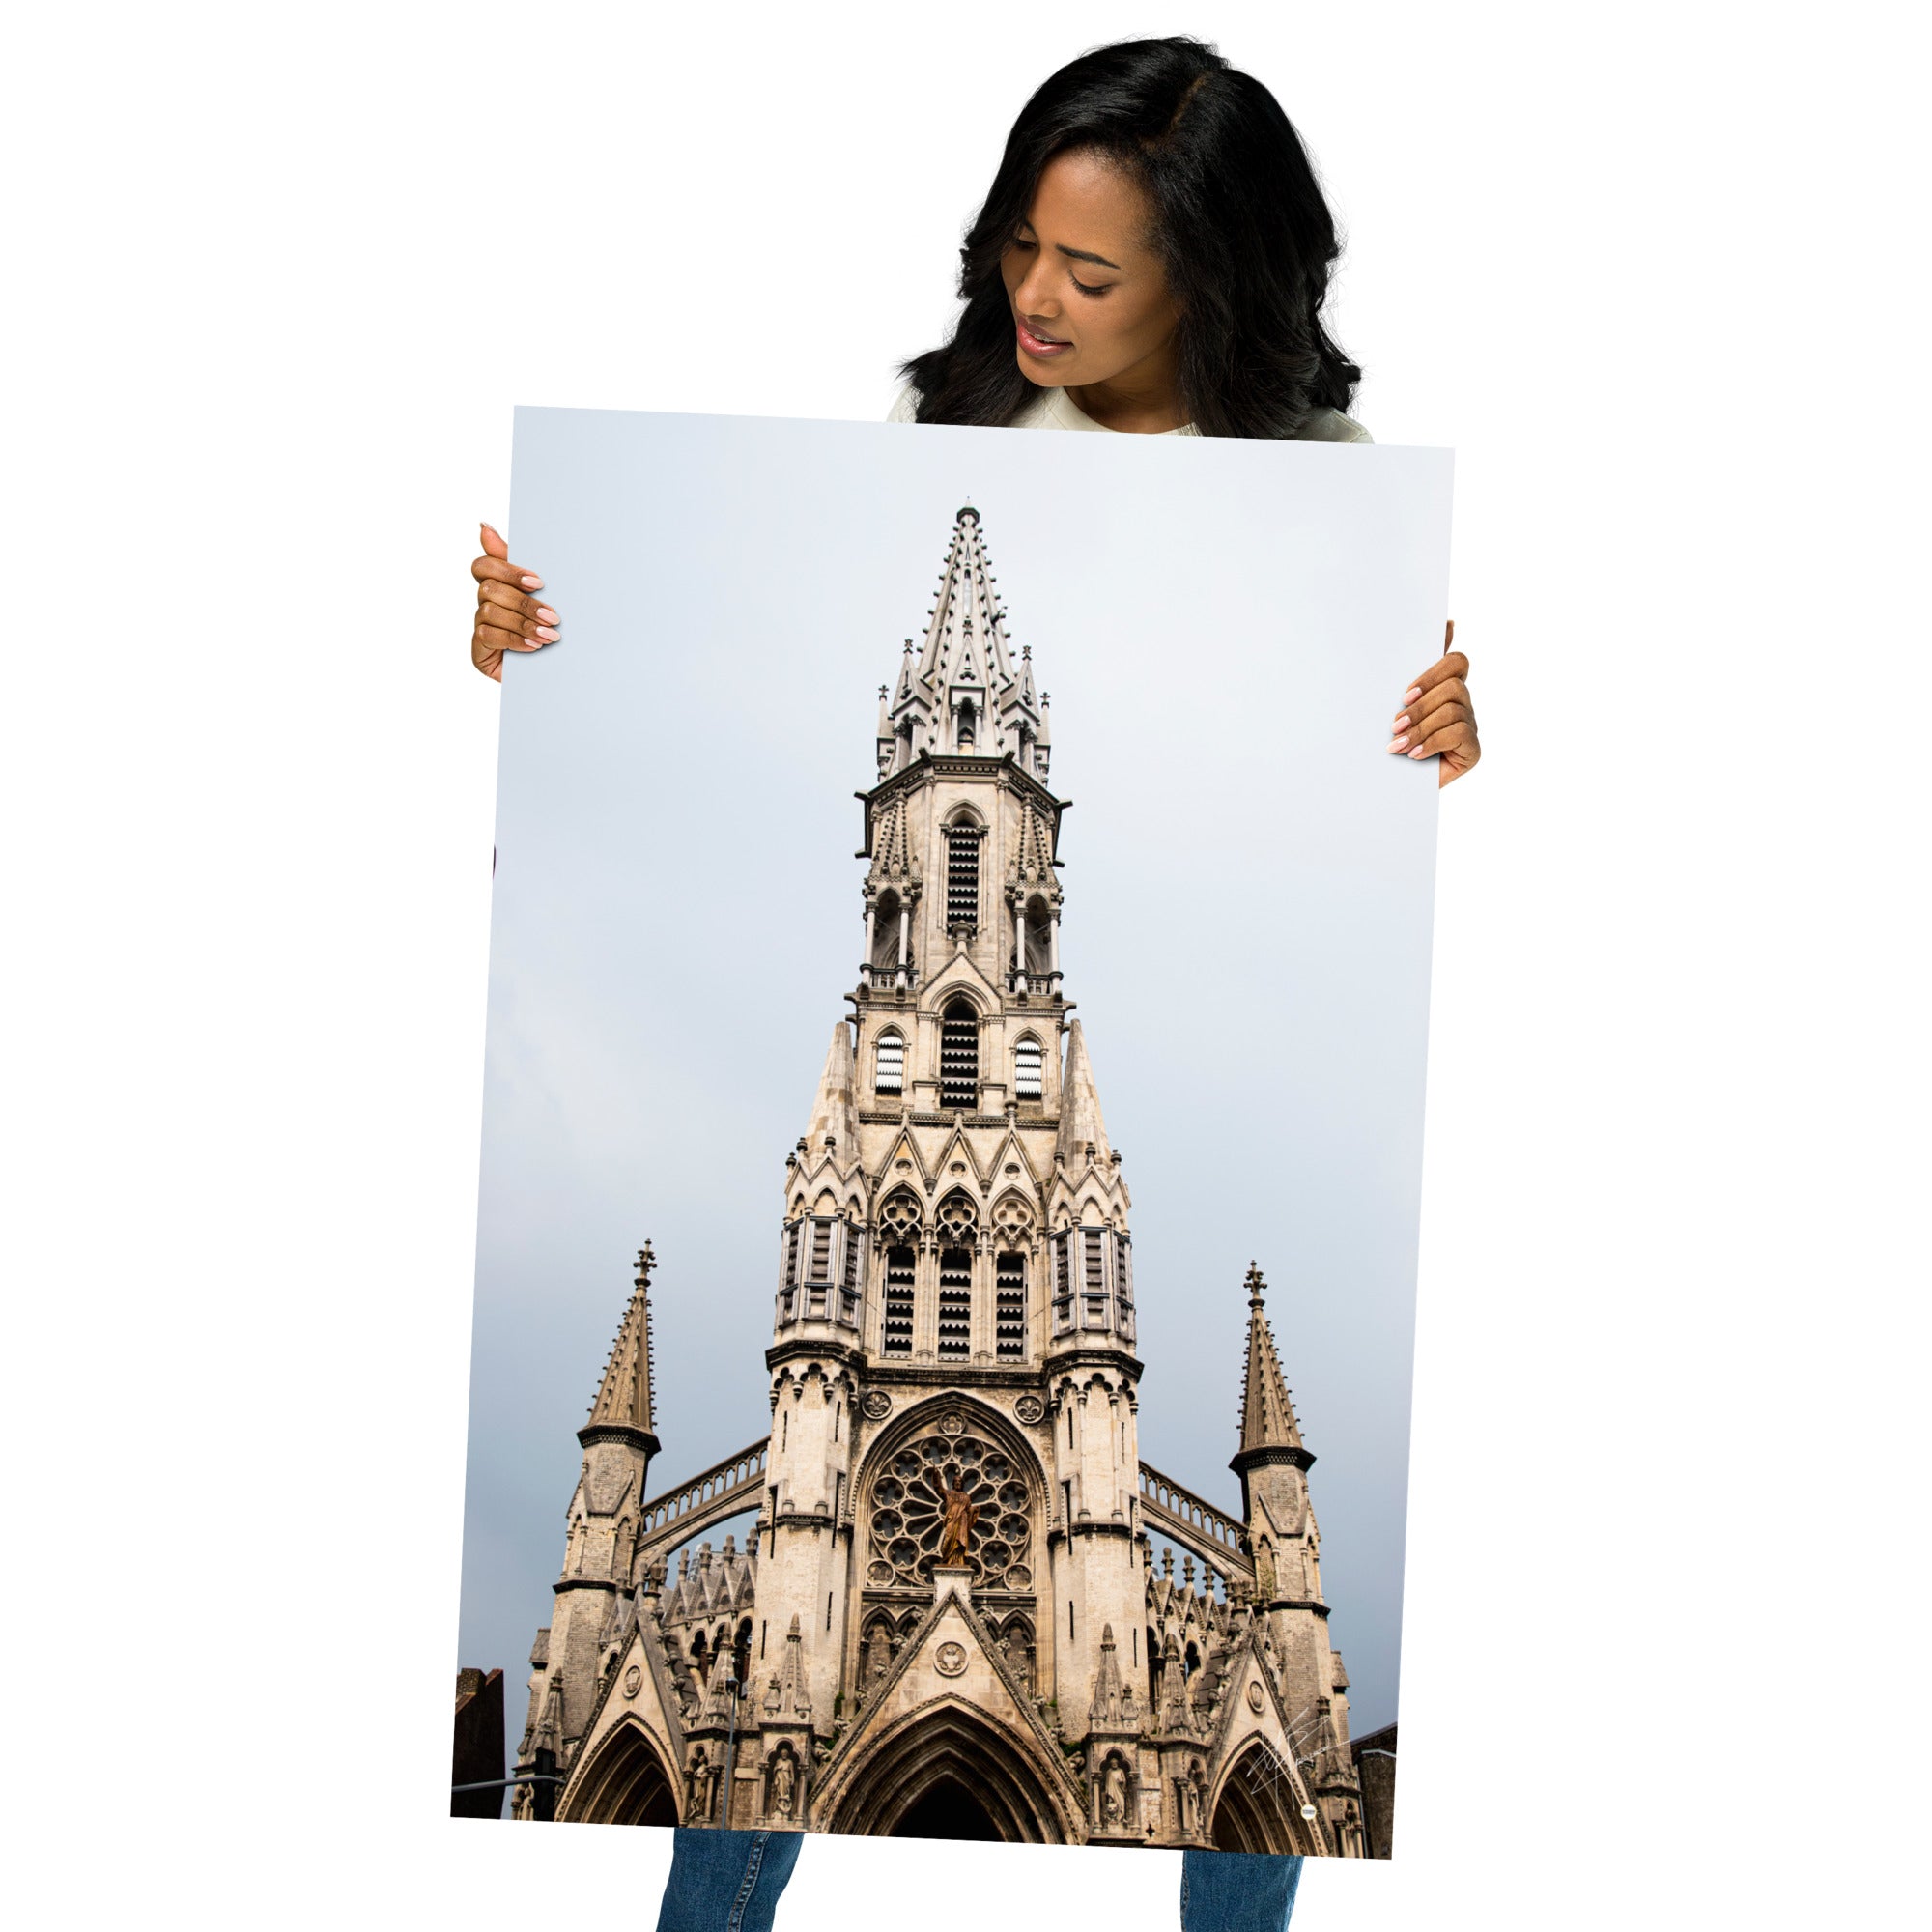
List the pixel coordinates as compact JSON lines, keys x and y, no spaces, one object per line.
{"x":909,"y":1513}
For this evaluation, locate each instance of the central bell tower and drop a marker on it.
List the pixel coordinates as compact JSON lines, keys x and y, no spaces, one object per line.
{"x":956,"y":1292}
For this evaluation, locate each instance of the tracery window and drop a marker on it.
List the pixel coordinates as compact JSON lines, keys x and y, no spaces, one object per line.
{"x":889,"y":1064}
{"x":908,"y":1510}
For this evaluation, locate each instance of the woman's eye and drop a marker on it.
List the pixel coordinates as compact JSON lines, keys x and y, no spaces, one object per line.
{"x":1098,"y":289}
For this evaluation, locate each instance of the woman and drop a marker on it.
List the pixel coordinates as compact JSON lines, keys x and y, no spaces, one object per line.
{"x":1151,"y":259}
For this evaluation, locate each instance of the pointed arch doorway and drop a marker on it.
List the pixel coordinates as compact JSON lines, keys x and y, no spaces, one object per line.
{"x":950,"y":1773}
{"x":624,"y":1783}
{"x":946,"y":1810}
{"x":1259,"y":1809}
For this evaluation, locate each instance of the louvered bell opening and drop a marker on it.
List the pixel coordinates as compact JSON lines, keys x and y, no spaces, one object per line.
{"x":1010,"y":1308}
{"x":888,"y":1065}
{"x":955,"y":1302}
{"x":898,"y":1302}
{"x":1093,"y":1282}
{"x":822,"y":1266}
{"x":1062,"y":1284}
{"x":959,"y":1060}
{"x":962,"y":879}
{"x":1027,"y":1067}
{"x":788,"y":1274}
{"x":848,"y":1282}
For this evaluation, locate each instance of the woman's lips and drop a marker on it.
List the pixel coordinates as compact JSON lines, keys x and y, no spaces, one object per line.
{"x":1041,"y":346}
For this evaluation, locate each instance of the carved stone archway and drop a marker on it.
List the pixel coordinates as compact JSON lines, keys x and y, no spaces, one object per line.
{"x":623,"y":1782}
{"x":1258,"y":1807}
{"x":949,"y":1762}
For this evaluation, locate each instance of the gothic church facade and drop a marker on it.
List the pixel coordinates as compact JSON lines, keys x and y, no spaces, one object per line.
{"x":955,"y":1611}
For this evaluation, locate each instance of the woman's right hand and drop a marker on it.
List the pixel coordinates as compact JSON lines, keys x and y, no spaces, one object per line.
{"x":508,"y":618}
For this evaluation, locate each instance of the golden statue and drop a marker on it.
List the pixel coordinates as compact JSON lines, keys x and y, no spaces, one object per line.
{"x":956,"y":1530}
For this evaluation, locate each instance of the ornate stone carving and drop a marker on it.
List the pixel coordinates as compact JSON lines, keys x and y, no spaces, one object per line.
{"x":634,"y":1679}
{"x":907,"y":1520}
{"x":877,"y":1406}
{"x":949,"y":1659}
{"x":955,"y":1529}
{"x":1029,"y":1408}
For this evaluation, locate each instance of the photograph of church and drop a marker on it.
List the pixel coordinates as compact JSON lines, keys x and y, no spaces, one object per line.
{"x":940,"y":1597}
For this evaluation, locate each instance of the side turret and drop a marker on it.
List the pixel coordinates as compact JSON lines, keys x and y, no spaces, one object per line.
{"x":822,"y":1245}
{"x":1273,"y":1463}
{"x":618,"y":1441}
{"x":1091,"y":1250}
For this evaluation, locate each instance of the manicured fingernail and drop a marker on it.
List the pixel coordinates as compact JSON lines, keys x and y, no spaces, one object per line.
{"x":545,"y":614}
{"x":548,"y":636}
{"x":1417,"y":753}
{"x":1398,"y":745}
{"x":1399,"y":722}
{"x":1413,"y":692}
{"x":534,"y":584}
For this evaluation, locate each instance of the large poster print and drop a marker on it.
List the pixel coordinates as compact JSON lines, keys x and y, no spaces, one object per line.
{"x":937,"y":1483}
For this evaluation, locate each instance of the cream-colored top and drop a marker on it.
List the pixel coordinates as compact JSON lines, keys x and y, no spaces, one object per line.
{"x":1055,"y":409}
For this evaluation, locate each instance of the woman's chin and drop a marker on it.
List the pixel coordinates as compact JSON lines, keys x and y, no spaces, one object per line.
{"x":1041,"y":378}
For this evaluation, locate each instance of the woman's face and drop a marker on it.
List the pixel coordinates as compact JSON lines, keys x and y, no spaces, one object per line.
{"x":1091,"y":301}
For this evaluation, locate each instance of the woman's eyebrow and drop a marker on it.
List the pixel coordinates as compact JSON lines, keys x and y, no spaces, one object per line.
{"x":1086,"y":255}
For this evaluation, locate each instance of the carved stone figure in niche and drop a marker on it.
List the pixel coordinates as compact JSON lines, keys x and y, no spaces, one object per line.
{"x":785,"y":1785}
{"x":1114,"y":1796}
{"x":1265,"y":1569}
{"x":955,"y":1534}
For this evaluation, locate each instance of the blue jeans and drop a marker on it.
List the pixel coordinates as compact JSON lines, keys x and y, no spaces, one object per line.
{"x":727,"y":1881}
{"x":730,"y":1881}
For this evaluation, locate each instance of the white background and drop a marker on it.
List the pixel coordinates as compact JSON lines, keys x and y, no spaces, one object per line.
{"x":277,"y":278}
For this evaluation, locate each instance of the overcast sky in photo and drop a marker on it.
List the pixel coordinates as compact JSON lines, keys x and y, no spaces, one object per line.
{"x":1226,"y":628}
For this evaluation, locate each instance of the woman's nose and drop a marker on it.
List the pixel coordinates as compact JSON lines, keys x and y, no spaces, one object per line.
{"x":1035,"y":296}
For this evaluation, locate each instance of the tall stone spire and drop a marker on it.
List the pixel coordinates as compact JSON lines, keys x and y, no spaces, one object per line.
{"x":831,"y":1113}
{"x":1080,"y":1121}
{"x":965,"y":693}
{"x":1267,"y":1413}
{"x":627,"y":1395}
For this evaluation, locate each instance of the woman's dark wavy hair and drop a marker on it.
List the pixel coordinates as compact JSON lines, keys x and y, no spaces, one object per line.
{"x":1241,"y":226}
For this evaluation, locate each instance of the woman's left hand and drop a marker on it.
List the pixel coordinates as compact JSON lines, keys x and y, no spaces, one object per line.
{"x":1436,"y":721}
